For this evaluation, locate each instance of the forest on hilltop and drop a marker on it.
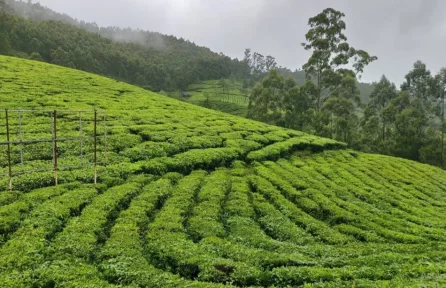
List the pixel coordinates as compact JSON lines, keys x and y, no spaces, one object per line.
{"x":147,"y":59}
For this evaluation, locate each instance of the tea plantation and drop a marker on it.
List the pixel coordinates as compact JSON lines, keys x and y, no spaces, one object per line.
{"x":231,"y":99}
{"x":192,"y":197}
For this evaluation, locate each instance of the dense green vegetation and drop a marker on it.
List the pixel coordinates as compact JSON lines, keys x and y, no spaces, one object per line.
{"x":407,"y":123}
{"x":194,"y":197}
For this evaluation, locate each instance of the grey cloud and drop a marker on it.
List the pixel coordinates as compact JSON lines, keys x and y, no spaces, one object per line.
{"x":156,"y":41}
{"x":399,"y":32}
{"x":419,"y":16}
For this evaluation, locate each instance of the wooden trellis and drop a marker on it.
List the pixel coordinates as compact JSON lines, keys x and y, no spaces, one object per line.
{"x":56,"y":117}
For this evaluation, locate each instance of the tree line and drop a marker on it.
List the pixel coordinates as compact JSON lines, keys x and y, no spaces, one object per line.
{"x":406,"y":122}
{"x":147,"y":59}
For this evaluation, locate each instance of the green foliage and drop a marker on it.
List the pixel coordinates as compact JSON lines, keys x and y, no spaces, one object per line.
{"x":76,"y":245}
{"x":207,"y":214}
{"x":326,"y":103}
{"x":15,"y":212}
{"x":122,"y":260}
{"x":282,"y":149}
{"x":316,"y":218}
{"x":7,"y":198}
{"x":266,"y":99}
{"x":29,"y":240}
{"x":408,"y":123}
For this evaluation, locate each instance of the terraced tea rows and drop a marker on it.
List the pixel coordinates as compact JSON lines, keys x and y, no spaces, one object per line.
{"x":196,"y":198}
{"x":144,"y":132}
{"x":238,"y":226}
{"x":226,"y":96}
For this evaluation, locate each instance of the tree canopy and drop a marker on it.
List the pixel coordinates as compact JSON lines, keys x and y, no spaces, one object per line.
{"x":407,"y":123}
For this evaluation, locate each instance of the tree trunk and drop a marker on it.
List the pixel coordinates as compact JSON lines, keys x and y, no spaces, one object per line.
{"x":319,"y":92}
{"x":384,"y":131}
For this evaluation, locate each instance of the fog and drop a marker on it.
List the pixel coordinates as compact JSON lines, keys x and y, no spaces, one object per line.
{"x":399,"y":32}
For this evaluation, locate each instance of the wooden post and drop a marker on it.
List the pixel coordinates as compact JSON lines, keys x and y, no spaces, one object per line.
{"x":80,"y":140}
{"x":105,"y":140}
{"x":21,"y":139}
{"x":95,"y":146}
{"x":9,"y":151}
{"x":442,"y":129}
{"x":56,"y":180}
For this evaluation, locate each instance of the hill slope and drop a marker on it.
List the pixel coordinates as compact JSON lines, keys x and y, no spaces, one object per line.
{"x":194,"y":197}
{"x":229,"y":98}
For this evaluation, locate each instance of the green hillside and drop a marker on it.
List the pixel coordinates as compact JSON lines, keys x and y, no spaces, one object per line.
{"x":227,"y":96}
{"x":232,"y":98}
{"x":191,"y":197}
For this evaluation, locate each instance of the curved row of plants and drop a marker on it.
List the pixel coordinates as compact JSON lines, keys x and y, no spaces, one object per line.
{"x":323,"y":221}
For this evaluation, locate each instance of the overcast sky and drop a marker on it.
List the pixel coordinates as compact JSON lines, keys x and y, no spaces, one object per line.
{"x":399,"y":32}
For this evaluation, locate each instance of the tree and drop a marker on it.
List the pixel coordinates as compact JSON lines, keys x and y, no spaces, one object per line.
{"x":35,"y":45}
{"x":297,"y":105}
{"x":267,"y":98}
{"x":127,"y":58}
{"x":341,"y":106}
{"x":270,"y":63}
{"x":380,"y":98}
{"x":5,"y":47}
{"x":60,"y":57}
{"x":409,"y":126}
{"x":419,"y":116}
{"x":35,"y":56}
{"x":207,"y":101}
{"x":247,"y":58}
{"x":441,"y":79}
{"x":258,"y":61}
{"x":225,"y":85}
{"x":258,"y":66}
{"x":326,"y":66}
{"x":433,"y":152}
{"x":420,"y":85}
{"x":5,"y":7}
